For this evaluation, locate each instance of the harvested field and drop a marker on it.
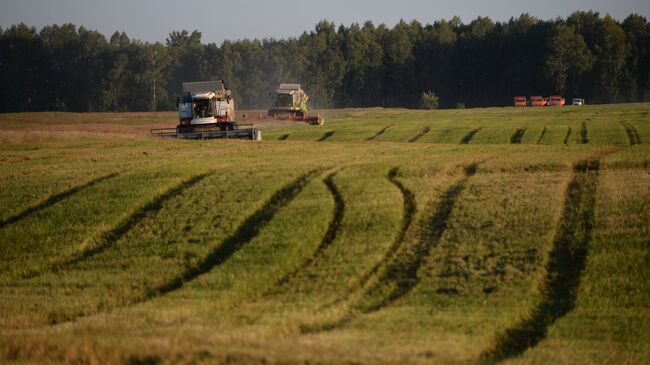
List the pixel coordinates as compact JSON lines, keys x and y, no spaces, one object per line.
{"x":499,"y":235}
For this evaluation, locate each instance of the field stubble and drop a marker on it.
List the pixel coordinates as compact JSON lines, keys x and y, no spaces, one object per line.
{"x":484,"y":239}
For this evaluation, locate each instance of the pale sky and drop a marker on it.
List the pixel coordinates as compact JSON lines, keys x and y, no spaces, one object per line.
{"x":153,"y":20}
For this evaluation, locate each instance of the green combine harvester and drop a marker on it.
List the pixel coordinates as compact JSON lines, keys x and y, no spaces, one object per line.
{"x":289,"y":103}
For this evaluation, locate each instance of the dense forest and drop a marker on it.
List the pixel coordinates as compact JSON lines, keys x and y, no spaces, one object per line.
{"x":483,"y":63}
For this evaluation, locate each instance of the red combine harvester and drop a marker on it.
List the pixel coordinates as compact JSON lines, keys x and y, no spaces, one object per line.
{"x":520,"y":101}
{"x":555,"y":100}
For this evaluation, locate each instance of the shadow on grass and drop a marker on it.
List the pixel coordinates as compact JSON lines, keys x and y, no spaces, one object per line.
{"x":109,"y":238}
{"x":325,"y":136}
{"x":632,"y":133}
{"x":517,"y":136}
{"x":469,"y":136}
{"x":382,"y":131}
{"x":399,"y":275}
{"x":424,"y":131}
{"x":54,"y":199}
{"x":565,"y":264}
{"x":330,"y":235}
{"x":541,"y":136}
{"x":246,"y":231}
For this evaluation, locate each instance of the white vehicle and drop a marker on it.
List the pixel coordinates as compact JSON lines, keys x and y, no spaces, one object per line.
{"x":206,"y":102}
{"x":207,"y":110}
{"x":578,"y":101}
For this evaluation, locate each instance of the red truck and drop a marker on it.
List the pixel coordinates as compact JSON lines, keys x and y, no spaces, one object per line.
{"x":520,"y":101}
{"x":556,"y":100}
{"x":537,"y":101}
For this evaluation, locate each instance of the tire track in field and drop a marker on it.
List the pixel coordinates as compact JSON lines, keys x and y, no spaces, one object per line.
{"x":541,"y":136}
{"x":468,"y":137}
{"x":568,"y":134}
{"x":407,"y":219}
{"x":53,"y":199}
{"x":409,"y":209}
{"x":397,"y":275}
{"x":330,"y":235}
{"x":566,"y":261}
{"x":584,"y":134}
{"x":424,"y":131}
{"x":246,"y":231}
{"x":110,"y":237}
{"x":517,"y":136}
{"x":325,"y":136}
{"x":632,"y":133}
{"x":283,"y":137}
{"x":382,"y":131}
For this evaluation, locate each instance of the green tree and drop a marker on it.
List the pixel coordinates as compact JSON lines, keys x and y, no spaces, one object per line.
{"x":636,"y":77}
{"x":568,"y":60}
{"x":428,"y":100}
{"x":325,"y":65}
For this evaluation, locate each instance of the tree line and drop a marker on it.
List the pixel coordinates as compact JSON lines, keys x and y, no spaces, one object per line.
{"x":483,"y":63}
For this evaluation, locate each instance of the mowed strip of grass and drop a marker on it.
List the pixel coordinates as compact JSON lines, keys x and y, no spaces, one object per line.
{"x":78,"y":222}
{"x":598,"y":124}
{"x":610,"y":320}
{"x":270,"y":322}
{"x":156,"y":249}
{"x":369,"y":225}
{"x":258,"y":264}
{"x":481,"y":276}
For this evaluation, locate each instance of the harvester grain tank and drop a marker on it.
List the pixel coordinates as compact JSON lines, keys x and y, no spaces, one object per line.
{"x":207,"y":110}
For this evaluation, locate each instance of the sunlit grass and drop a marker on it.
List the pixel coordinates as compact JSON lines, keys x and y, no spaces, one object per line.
{"x":122,"y":248}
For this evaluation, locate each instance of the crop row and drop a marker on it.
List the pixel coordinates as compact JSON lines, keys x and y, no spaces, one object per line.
{"x":387,"y":272}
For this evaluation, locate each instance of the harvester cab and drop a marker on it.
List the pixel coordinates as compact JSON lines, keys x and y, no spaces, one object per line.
{"x":206,"y":102}
{"x":207,"y":110}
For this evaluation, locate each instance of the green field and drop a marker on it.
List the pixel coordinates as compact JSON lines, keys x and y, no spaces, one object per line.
{"x":500,"y":235}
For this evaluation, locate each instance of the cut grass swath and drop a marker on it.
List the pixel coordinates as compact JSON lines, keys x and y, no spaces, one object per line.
{"x":468,"y":137}
{"x":565,"y":264}
{"x":541,"y":136}
{"x":396,"y":275}
{"x":517,"y":136}
{"x":632,"y":133}
{"x":332,"y":229}
{"x":424,"y":131}
{"x":54,"y":199}
{"x":108,"y":238}
{"x":325,"y":136}
{"x":382,"y":131}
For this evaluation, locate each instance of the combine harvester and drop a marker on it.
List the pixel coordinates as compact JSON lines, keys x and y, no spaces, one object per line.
{"x":207,"y":110}
{"x":289,"y":103}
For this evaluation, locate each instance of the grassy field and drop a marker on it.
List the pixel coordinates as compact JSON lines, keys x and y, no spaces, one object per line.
{"x":501,"y":235}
